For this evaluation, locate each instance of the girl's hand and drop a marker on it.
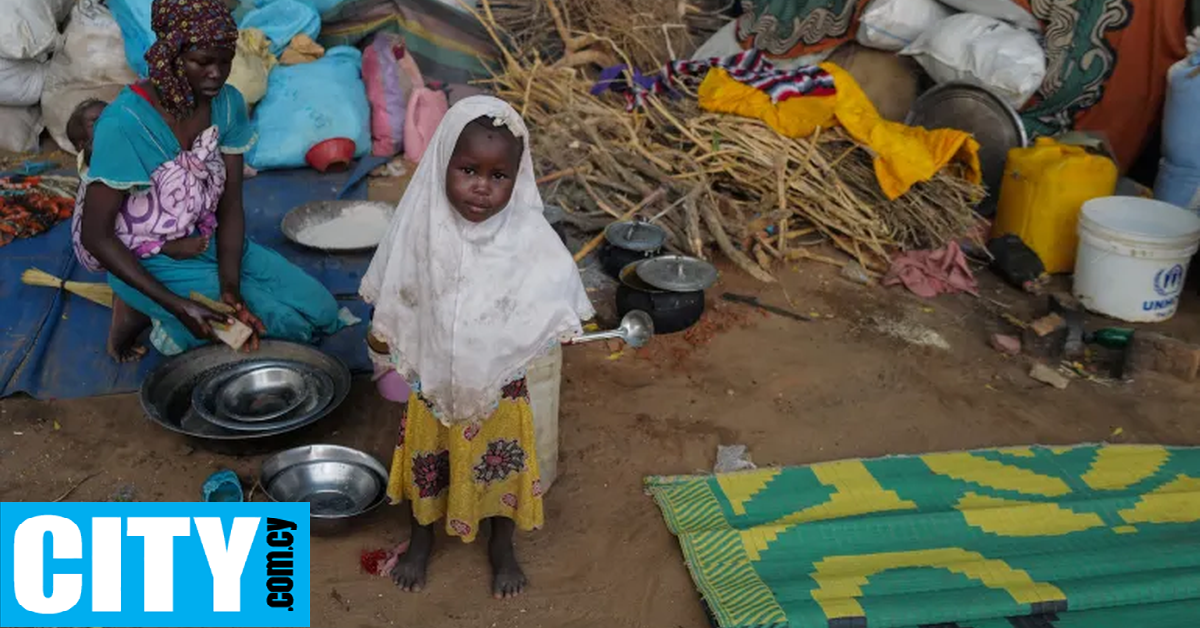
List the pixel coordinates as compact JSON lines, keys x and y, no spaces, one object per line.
{"x":243,"y":314}
{"x":197,"y":318}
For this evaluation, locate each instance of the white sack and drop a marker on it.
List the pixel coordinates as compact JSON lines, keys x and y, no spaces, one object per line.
{"x":89,"y":63}
{"x":29,"y":28}
{"x":20,"y":128}
{"x":983,"y":51}
{"x":1006,"y":10}
{"x":894,"y":24}
{"x":21,"y":82}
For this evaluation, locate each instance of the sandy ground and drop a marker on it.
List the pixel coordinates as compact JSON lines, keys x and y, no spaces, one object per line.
{"x":793,"y":392}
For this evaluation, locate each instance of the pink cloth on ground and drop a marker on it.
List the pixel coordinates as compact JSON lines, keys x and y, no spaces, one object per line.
{"x":930,"y":273}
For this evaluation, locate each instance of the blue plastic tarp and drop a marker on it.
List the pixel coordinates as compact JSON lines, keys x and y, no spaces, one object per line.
{"x":52,"y":343}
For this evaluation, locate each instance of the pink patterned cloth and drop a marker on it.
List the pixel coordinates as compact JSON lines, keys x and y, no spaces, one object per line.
{"x":182,"y":198}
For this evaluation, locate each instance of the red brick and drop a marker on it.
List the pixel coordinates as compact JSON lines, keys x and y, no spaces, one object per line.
{"x":1162,"y":354}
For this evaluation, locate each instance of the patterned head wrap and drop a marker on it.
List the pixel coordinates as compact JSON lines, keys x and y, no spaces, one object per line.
{"x":182,"y":25}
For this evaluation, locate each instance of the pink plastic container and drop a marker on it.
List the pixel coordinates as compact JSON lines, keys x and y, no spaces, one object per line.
{"x":392,"y":387}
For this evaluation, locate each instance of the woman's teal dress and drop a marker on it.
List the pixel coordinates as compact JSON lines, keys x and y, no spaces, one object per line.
{"x":173,"y":193}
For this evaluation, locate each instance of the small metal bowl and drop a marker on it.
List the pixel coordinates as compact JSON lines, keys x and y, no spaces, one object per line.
{"x":262,"y":394}
{"x":339,"y":483}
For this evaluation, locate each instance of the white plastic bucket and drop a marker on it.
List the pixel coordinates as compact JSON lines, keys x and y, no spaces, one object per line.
{"x":1133,"y":257}
{"x":544,"y":378}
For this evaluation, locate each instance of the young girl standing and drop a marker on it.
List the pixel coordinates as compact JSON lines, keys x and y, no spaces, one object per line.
{"x":470,"y":285}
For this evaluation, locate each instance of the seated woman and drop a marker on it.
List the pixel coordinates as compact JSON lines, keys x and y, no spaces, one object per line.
{"x":162,"y":211}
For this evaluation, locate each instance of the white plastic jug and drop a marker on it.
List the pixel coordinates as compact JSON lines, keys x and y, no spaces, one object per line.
{"x":544,"y":378}
{"x":1133,"y":257}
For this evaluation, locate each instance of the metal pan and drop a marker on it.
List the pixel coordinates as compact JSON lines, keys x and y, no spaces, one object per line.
{"x":166,"y":393}
{"x":317,"y":212}
{"x":264,"y":393}
{"x":989,"y":118}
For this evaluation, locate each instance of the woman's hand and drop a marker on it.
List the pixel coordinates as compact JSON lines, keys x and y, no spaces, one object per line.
{"x":197,"y":318}
{"x":243,"y":314}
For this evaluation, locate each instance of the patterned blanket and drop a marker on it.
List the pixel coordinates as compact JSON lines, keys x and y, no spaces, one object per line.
{"x":1059,"y":537}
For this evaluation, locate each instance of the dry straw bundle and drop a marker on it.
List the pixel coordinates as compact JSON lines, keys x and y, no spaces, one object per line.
{"x":760,"y":197}
{"x":650,"y":32}
{"x":99,"y":293}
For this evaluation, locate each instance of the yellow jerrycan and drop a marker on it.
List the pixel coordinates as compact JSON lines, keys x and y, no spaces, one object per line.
{"x":1044,"y":188}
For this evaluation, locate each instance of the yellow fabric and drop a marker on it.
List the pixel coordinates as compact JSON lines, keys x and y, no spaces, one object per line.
{"x":794,"y":117}
{"x":251,"y":65}
{"x":467,"y":473}
{"x":904,"y":155}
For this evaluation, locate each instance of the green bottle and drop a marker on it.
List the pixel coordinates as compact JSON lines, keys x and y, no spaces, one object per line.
{"x":1111,"y":337}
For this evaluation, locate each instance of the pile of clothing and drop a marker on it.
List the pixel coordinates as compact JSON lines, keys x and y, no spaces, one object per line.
{"x":32,"y":203}
{"x":1102,"y":70}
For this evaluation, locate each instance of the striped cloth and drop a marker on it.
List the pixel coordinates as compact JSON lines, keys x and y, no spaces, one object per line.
{"x":449,"y":46}
{"x":749,"y":67}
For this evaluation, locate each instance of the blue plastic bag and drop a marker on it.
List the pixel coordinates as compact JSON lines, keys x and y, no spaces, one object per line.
{"x":309,"y":103}
{"x":322,"y":7}
{"x":1176,"y":184}
{"x":133,"y":16}
{"x":1181,"y":135}
{"x":281,"y":20}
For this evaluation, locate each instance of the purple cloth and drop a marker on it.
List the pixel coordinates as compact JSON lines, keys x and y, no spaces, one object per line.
{"x":182,"y":198}
{"x":749,"y":67}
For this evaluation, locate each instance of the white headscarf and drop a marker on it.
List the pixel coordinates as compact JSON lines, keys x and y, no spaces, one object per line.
{"x":466,"y":307}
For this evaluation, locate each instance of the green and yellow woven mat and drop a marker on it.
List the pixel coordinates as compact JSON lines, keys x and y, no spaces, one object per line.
{"x":1043,"y":537}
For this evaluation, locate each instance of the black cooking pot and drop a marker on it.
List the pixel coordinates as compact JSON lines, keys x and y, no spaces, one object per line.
{"x":627,"y":242}
{"x":672,"y":312}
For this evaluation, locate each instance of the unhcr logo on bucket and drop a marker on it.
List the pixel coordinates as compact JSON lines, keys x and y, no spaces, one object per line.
{"x":147,"y":564}
{"x":1168,"y":282}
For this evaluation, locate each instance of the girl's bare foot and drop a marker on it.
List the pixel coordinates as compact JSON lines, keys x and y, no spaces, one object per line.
{"x":127,"y":325}
{"x":185,"y":248}
{"x":410,"y":569}
{"x":508,"y":580}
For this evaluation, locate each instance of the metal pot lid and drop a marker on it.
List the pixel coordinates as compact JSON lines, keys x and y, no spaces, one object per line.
{"x":630,"y":279}
{"x":635,"y":235}
{"x":677,"y":273}
{"x":989,"y":118}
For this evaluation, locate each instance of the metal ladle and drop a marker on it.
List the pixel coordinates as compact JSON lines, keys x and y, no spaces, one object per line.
{"x":636,"y":330}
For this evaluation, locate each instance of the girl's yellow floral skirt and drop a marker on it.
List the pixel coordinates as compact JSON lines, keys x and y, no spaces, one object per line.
{"x":467,"y":473}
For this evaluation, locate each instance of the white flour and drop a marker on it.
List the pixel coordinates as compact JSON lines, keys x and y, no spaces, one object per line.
{"x":358,"y":226}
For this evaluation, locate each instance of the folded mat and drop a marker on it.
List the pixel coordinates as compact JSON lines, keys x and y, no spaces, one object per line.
{"x":1061,"y":537}
{"x":52,"y":343}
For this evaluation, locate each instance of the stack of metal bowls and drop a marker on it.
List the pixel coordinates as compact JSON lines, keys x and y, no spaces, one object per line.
{"x":262,"y":395}
{"x":339,"y":483}
{"x":216,"y":394}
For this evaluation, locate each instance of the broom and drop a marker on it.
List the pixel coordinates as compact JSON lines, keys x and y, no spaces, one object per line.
{"x":96,"y":292}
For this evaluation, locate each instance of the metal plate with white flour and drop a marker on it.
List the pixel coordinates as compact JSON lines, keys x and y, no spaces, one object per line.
{"x":992,"y":121}
{"x":338,"y":226}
